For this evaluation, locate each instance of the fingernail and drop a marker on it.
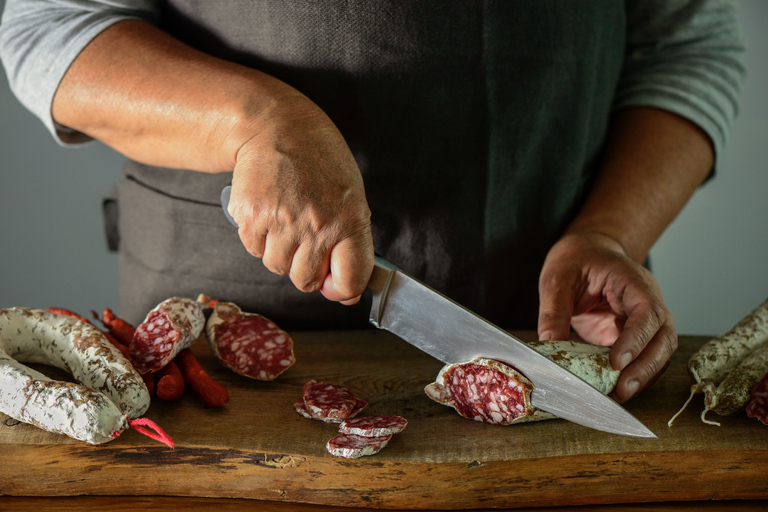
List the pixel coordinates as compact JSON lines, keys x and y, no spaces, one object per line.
{"x":624,"y":360}
{"x":545,"y":336}
{"x":632,"y":387}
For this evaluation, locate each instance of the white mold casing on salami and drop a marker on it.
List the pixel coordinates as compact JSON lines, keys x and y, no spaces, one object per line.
{"x":172,"y":326}
{"x":249,"y":344}
{"x":94,"y":411}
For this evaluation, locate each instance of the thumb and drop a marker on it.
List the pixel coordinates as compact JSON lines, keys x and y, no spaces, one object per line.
{"x":350,"y":270}
{"x":555,"y":311}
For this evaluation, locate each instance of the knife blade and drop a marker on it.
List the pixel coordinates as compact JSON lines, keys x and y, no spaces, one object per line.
{"x":451,"y":333}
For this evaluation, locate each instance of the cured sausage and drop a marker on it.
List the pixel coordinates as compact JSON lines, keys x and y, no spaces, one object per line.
{"x":96,"y":410}
{"x":483,"y":390}
{"x":715,"y":360}
{"x":172,"y":326}
{"x":733,"y":393}
{"x":352,"y":446}
{"x":373,"y":426}
{"x":301,"y":408}
{"x":247,"y":343}
{"x":494,"y":392}
{"x":328,"y":401}
{"x":758,"y":405}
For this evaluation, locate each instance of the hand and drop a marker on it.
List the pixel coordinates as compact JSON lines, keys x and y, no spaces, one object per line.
{"x":299,"y":201}
{"x":590,"y":283}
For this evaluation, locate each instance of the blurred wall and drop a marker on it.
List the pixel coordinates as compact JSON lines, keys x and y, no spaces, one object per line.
{"x":712,"y":263}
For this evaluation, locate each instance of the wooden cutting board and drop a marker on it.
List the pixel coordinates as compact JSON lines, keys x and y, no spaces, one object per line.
{"x":259,"y":447}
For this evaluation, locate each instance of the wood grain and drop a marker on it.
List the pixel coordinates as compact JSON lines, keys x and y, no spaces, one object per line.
{"x":258,"y":447}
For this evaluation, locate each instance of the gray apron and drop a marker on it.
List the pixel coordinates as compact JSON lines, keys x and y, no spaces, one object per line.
{"x":477,"y":127}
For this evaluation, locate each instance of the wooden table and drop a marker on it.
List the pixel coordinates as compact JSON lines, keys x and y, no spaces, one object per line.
{"x":258,"y":453}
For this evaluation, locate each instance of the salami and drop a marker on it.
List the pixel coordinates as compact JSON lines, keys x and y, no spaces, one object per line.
{"x":758,"y":405}
{"x":352,"y":447}
{"x":716,"y":360}
{"x":373,"y":426}
{"x":169,"y":328}
{"x":497,"y":393}
{"x":302,"y":410}
{"x":328,"y":401}
{"x":95,"y":410}
{"x":247,"y":343}
{"x":483,"y":390}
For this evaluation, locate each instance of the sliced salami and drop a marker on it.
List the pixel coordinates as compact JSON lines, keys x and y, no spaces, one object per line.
{"x":373,"y":426}
{"x":302,"y":410}
{"x":758,"y":405}
{"x":247,"y":343}
{"x":352,"y":447}
{"x":483,"y":390}
{"x":328,"y":401}
{"x":171,"y":327}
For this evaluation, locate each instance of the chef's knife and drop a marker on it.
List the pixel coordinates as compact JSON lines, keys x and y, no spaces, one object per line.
{"x":452,"y":334}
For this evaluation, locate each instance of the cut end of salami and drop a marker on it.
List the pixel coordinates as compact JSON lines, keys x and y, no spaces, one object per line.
{"x":302,"y":410}
{"x":373,"y":426}
{"x":758,"y":405}
{"x":171,"y":327}
{"x":328,"y":401}
{"x":352,"y":447}
{"x":484,"y":390}
{"x":247,"y":343}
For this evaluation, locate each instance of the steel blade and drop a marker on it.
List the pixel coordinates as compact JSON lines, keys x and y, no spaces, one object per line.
{"x":452,"y":334}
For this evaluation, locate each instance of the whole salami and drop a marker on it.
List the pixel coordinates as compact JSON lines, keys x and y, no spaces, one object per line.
{"x":96,"y":410}
{"x":169,"y":328}
{"x":247,"y":343}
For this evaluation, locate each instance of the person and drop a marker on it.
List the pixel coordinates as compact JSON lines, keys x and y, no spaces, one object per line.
{"x":521,"y":158}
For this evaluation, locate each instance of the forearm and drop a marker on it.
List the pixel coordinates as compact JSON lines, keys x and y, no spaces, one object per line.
{"x":652,"y":164}
{"x":159,"y":101}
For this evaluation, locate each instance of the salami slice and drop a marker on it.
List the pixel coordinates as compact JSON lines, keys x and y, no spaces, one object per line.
{"x":171,"y":327}
{"x":248,"y":344}
{"x":328,"y":401}
{"x":373,"y":426}
{"x":302,"y":410}
{"x":484,"y":390}
{"x":352,"y":447}
{"x":758,"y":405}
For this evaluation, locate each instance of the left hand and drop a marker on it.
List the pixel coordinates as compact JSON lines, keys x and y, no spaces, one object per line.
{"x":588,"y":282}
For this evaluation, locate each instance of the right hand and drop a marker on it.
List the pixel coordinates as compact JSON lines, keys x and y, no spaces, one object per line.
{"x":299,"y":201}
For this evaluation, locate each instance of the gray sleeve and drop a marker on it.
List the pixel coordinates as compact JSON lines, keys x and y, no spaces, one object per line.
{"x":39,"y":40}
{"x":686,"y":57}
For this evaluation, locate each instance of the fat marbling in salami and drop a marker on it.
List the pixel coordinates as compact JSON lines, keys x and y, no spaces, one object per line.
{"x":373,"y":426}
{"x":169,"y":328}
{"x":247,"y":343}
{"x":352,"y":447}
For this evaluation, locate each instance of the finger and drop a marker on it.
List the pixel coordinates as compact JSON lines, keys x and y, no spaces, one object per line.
{"x":309,"y":267}
{"x":648,"y":366}
{"x":254,"y":242}
{"x":278,"y":254}
{"x":555,"y":307}
{"x":644,"y":320}
{"x":350,"y":266}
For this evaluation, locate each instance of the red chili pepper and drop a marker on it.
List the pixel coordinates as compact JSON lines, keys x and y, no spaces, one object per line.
{"x":170,"y":382}
{"x":207,"y":390}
